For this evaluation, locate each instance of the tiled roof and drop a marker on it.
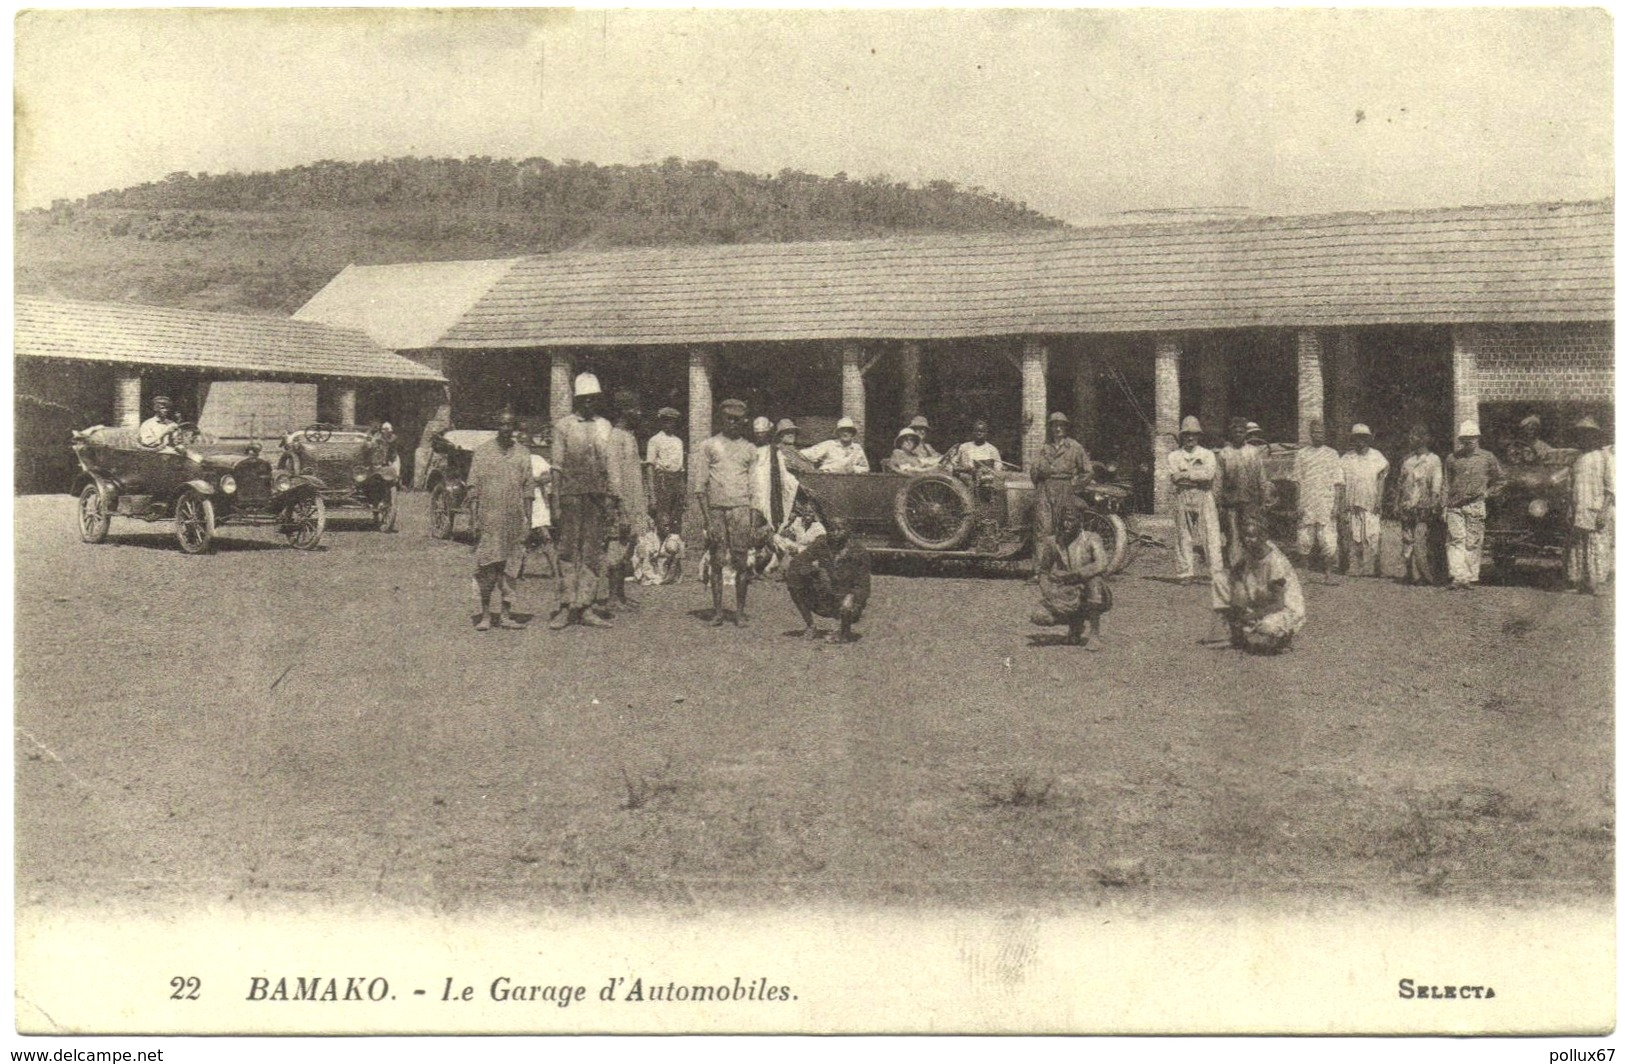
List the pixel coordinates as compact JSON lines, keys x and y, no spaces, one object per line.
{"x":1540,"y":262}
{"x":404,"y":307}
{"x":163,"y":336}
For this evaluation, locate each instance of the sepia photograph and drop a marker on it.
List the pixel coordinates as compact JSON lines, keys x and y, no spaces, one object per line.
{"x":1040,"y":521}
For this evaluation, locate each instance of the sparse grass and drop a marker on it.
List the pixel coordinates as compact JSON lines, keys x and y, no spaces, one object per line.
{"x":1518,"y":626}
{"x":643,"y":788}
{"x":1021,"y":791}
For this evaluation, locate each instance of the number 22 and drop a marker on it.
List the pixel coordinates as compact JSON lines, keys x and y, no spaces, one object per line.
{"x":185,"y":987}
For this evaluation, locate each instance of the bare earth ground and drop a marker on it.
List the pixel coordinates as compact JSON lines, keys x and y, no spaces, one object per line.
{"x":265,"y":725}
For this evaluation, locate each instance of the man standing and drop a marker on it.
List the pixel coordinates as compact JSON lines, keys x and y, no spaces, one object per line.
{"x":1261,"y":600}
{"x":1072,"y":577}
{"x":668,"y":487}
{"x":634,"y":505}
{"x":1059,"y":471}
{"x":499,"y":495}
{"x":830,"y":579}
{"x":1193,"y":469}
{"x":840,"y":455}
{"x":1471,"y":476}
{"x":154,"y":431}
{"x":1242,"y":489}
{"x":724,"y":466}
{"x":773,"y":486}
{"x":1365,"y":470}
{"x":1421,"y":501}
{"x":793,"y":461}
{"x":1590,"y":553}
{"x":589,"y":492}
{"x":1320,"y":498}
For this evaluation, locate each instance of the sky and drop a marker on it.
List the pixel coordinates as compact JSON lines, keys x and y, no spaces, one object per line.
{"x":1082,"y":114}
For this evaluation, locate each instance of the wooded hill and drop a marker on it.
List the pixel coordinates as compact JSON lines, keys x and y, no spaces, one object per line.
{"x":266,"y":242}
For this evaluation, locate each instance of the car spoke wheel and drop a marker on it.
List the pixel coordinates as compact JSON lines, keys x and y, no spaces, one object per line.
{"x":305,"y":521}
{"x":935,"y":512}
{"x":93,"y":516}
{"x":1113,"y":533}
{"x":384,"y":511}
{"x":194,"y":523}
{"x":440,"y":517}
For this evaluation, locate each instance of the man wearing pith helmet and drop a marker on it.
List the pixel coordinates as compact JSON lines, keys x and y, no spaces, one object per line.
{"x":589,"y":501}
{"x":1193,"y":468}
{"x":1471,"y":476}
{"x":1365,"y":471}
{"x":1059,"y":471}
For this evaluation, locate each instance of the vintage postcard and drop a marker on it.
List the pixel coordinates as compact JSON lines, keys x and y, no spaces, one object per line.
{"x":933,"y":521}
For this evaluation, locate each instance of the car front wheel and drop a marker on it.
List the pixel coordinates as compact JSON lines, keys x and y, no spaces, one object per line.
{"x":1113,"y":533}
{"x":93,"y":516}
{"x":440,"y":517}
{"x":304,"y":522}
{"x":194,"y":523}
{"x":384,"y":511}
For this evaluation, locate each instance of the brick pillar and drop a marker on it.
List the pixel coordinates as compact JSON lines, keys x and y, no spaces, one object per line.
{"x":908,"y":362}
{"x":1085,"y":400}
{"x":1464,"y":343}
{"x":434,"y":407}
{"x":561,"y":384}
{"x":346,"y":397}
{"x":701,"y":365}
{"x":1165,"y":427}
{"x":1311,"y":383}
{"x":1214,"y":368}
{"x":854,"y":396}
{"x":127,"y":400}
{"x":1347,"y":394}
{"x":1034,"y":399}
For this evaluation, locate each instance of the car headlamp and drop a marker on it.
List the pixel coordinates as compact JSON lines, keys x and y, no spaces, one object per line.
{"x":228,"y":483}
{"x":361,"y":478}
{"x":1538,"y":508}
{"x":282,"y":481}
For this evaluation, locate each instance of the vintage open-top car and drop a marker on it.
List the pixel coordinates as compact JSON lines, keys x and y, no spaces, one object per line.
{"x":183,"y":481}
{"x":1529,"y":517}
{"x":447,"y":481}
{"x":351,"y":467}
{"x":980,"y":515}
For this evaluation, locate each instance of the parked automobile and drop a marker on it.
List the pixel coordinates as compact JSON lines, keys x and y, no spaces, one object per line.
{"x":447,"y":481}
{"x":351,"y":466}
{"x":1528,"y":519}
{"x":186,"y":483}
{"x":985,"y":515}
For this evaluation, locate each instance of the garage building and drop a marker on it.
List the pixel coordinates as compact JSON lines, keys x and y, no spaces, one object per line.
{"x":240,"y":377}
{"x":1386,"y":318}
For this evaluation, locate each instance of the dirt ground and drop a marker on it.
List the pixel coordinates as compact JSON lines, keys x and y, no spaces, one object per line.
{"x":266,"y":725}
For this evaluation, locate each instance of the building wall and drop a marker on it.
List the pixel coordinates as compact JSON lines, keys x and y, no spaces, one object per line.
{"x":1572,"y":361}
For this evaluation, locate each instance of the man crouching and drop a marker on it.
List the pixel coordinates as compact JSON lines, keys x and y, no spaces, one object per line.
{"x":1072,"y":577}
{"x":1261,"y":599}
{"x":830,"y":578}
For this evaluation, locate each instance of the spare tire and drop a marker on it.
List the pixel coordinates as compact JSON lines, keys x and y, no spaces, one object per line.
{"x":935,"y":512}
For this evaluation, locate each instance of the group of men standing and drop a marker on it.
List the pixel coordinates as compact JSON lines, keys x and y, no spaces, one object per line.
{"x":609,"y":497}
{"x":1221,"y":501}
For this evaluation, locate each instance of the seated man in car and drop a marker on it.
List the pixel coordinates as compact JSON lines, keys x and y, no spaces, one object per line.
{"x":157,"y":431}
{"x":906,"y":456}
{"x":841,"y":455}
{"x":976,"y":453}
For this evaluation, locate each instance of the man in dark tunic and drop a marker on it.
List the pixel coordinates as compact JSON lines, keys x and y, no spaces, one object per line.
{"x":1059,"y":471}
{"x":830,"y":579}
{"x":499,"y":490}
